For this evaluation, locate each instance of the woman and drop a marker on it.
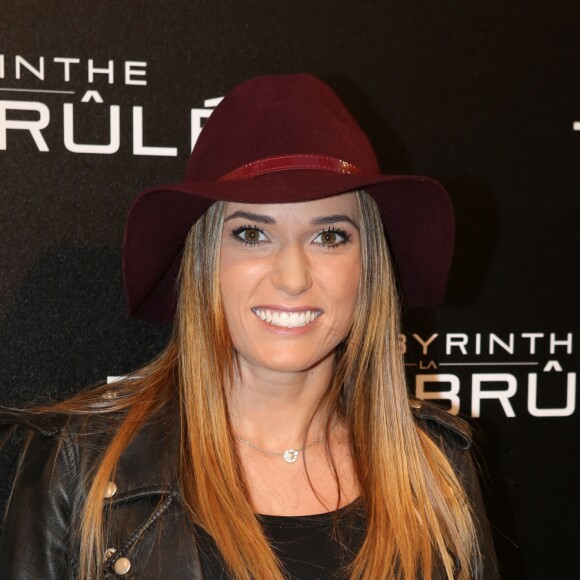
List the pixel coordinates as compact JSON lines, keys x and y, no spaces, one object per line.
{"x":274,"y":436}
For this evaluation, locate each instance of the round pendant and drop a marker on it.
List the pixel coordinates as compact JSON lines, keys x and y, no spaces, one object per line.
{"x":290,"y":455}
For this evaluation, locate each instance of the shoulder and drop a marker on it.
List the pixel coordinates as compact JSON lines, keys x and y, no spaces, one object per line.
{"x":57,"y":433}
{"x":41,"y":439}
{"x":45,"y":425}
{"x":454,"y":437}
{"x":42,"y":501}
{"x":47,"y":501}
{"x":448,"y":429}
{"x":80,"y":440}
{"x":451,"y":434}
{"x":54,"y":457}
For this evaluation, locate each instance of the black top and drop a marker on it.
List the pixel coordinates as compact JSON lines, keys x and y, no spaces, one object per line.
{"x":308,"y":546}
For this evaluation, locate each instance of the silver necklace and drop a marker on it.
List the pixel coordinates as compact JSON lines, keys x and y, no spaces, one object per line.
{"x":289,"y":455}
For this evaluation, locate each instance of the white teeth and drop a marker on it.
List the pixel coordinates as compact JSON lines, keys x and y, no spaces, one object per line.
{"x":287,"y":319}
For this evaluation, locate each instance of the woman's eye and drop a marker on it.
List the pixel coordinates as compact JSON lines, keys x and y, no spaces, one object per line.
{"x":332,"y":237}
{"x":249,"y":235}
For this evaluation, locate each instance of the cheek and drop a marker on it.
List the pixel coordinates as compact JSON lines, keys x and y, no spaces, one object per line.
{"x":237,"y":282}
{"x":340,"y":285}
{"x":230,"y":288}
{"x":349,"y":300}
{"x":343,"y":280}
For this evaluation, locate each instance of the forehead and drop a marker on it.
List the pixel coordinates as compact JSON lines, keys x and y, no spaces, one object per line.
{"x":345,"y":204}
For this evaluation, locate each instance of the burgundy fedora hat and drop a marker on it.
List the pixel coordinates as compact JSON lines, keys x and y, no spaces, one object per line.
{"x":283,"y":139}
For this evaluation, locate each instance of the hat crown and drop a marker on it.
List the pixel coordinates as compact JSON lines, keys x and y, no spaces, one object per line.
{"x":278,"y":115}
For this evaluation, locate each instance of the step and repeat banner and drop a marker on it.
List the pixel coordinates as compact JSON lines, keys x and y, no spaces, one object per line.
{"x":101,"y":101}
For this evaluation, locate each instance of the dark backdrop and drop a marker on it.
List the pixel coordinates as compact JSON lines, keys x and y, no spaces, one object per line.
{"x":483,"y":96}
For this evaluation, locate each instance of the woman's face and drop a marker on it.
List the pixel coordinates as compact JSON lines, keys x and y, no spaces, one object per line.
{"x":289,"y":276}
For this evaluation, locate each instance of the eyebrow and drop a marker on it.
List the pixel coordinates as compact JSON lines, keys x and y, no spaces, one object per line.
{"x":256,"y":217}
{"x":331,"y":219}
{"x":266,"y":219}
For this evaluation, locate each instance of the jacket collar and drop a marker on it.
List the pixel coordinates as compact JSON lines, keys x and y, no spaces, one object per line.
{"x":150,"y":464}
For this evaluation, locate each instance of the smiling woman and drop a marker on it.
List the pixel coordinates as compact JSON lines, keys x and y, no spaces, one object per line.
{"x":289,"y":290}
{"x":274,"y":437}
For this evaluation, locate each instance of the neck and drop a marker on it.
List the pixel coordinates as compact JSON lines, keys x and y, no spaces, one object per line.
{"x":277,"y":410}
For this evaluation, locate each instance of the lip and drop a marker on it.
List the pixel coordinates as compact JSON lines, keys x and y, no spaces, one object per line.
{"x":298,"y":323}
{"x":287,"y":308}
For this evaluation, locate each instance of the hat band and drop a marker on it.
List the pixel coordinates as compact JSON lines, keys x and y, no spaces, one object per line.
{"x":289,"y":163}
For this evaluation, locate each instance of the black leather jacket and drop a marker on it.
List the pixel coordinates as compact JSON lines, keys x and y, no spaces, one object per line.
{"x":148,"y":534}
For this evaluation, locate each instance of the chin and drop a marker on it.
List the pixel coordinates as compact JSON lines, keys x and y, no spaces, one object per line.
{"x":288,"y":362}
{"x":290,"y":367}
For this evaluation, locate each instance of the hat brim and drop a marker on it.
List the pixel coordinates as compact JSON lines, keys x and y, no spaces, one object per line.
{"x":416,"y":212}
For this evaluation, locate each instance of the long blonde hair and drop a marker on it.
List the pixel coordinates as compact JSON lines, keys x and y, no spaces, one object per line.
{"x":418,"y":516}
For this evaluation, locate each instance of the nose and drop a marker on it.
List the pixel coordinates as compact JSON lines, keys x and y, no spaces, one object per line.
{"x":291,"y":271}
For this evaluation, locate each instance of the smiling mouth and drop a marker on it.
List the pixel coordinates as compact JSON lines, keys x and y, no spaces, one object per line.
{"x":287,"y":319}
